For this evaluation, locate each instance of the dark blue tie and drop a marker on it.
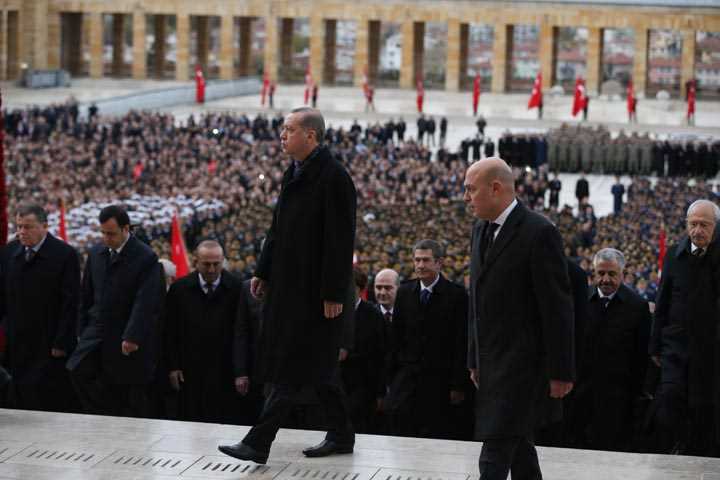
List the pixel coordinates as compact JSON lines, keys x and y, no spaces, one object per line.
{"x":425,"y":296}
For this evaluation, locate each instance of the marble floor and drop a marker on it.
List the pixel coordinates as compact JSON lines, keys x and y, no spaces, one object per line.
{"x":44,"y":446}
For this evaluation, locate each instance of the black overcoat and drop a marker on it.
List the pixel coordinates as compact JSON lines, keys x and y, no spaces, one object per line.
{"x":121,"y":301}
{"x":307,"y":259}
{"x":199,"y":338}
{"x":39,"y":301}
{"x":521,"y":324}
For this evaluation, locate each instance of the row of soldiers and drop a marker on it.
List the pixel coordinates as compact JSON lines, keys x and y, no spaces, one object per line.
{"x":587,"y":149}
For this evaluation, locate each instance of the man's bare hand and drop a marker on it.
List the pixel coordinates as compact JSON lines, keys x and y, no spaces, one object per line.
{"x":176,"y":378}
{"x":456,"y":397}
{"x":558,"y":388}
{"x":655,"y":359}
{"x":332,"y":309}
{"x":129,"y":347}
{"x":257,"y":287}
{"x":474,"y":377}
{"x":242,"y":385}
{"x":57,"y":353}
{"x":342,"y":356}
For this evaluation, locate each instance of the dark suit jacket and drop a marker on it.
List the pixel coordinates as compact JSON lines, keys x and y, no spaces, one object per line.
{"x":39,"y":301}
{"x":121,"y":301}
{"x":429,"y":343}
{"x":248,"y":323}
{"x":364,"y":369}
{"x":521,"y":324}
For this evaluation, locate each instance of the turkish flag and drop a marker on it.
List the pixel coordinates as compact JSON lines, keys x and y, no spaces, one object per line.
{"x":536,"y":95}
{"x":420,"y":94}
{"x":662,"y":248}
{"x":264,"y":92}
{"x":199,"y":85}
{"x":178,"y":253}
{"x":691,"y":100}
{"x":630,"y":98}
{"x":308,"y":83}
{"x":365,"y":82}
{"x":212,"y":166}
{"x":137,"y":171}
{"x":476,"y":93}
{"x":579,"y":100}
{"x":62,"y":230}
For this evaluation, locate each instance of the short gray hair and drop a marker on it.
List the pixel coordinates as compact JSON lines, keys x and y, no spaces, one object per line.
{"x":25,"y":209}
{"x":210,"y":244}
{"x":312,"y":119}
{"x":610,"y":255}
{"x":426,"y":244}
{"x":701,"y":202}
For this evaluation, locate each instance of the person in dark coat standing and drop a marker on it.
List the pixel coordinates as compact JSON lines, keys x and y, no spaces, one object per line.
{"x":200,"y":312}
{"x":521,"y":346}
{"x":555,"y":186}
{"x":612,"y":370}
{"x":617,"y":191}
{"x":443,"y":131}
{"x":121,"y":302}
{"x":400,"y":128}
{"x":684,"y":342}
{"x":582,"y":190}
{"x":363,"y":371}
{"x":40,"y":291}
{"x":429,"y":350}
{"x":304,"y":276}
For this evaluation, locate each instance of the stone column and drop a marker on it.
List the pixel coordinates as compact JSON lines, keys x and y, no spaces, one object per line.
{"x":13,"y":55}
{"x":72,"y":41}
{"x":53,"y":39}
{"x":361,"y":52}
{"x":203,"y":42}
{"x":687,"y":70}
{"x":182,"y":49}
{"x":227,"y":47}
{"x":34,"y":33}
{"x":271,"y":46}
{"x":96,"y":45}
{"x":330,"y":53}
{"x":453,"y":59}
{"x":3,"y":44}
{"x":407,"y":66}
{"x":317,"y":47}
{"x":640,"y":60}
{"x":548,"y":54}
{"x":373,"y":55}
{"x":246,"y":26}
{"x":418,"y":50}
{"x":502,"y":46}
{"x":139,"y":66}
{"x":118,"y":39}
{"x":464,"y":53}
{"x":160,"y":23}
{"x":594,"y":61}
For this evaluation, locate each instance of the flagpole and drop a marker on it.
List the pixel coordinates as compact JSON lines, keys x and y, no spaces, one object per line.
{"x":3,"y":187}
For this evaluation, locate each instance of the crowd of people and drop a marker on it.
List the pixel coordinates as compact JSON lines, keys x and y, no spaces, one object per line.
{"x":402,"y":198}
{"x":578,"y":148}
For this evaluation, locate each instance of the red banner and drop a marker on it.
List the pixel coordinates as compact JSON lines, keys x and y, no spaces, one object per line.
{"x":691,"y":100}
{"x":420,"y":94}
{"x":476,"y":94}
{"x":630,"y":98}
{"x":62,"y":229}
{"x":178,"y":253}
{"x":662,"y":248}
{"x":536,"y":95}
{"x":579,"y":99}
{"x":199,"y":85}
{"x":265,"y":88}
{"x":308,"y":83}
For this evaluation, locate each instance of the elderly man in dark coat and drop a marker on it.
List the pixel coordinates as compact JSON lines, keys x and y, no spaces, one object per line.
{"x":305,"y":274}
{"x":121,"y":302}
{"x":200,"y":312}
{"x":39,"y":295}
{"x":684,"y":341}
{"x":521,"y":322}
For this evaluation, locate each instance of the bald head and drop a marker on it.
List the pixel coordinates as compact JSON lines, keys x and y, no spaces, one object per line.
{"x":386,"y":285}
{"x":489,"y":187}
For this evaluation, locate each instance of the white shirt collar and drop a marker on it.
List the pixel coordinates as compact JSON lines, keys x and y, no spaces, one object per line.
{"x":120,"y":248}
{"x":601,"y":295}
{"x":384,"y":310}
{"x":204,"y":284}
{"x":39,"y":245}
{"x":693,"y":247}
{"x":357,"y":302}
{"x":502,"y":218}
{"x":431,"y":286}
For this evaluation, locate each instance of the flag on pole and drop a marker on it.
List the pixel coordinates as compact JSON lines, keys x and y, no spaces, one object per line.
{"x":365,"y":82}
{"x":308,"y":83}
{"x":199,"y":85}
{"x":178,"y":253}
{"x":662,"y":248}
{"x":265,"y":87}
{"x":691,"y":100}
{"x":476,"y":93}
{"x":580,"y":99}
{"x":62,"y":229}
{"x":536,"y":95}
{"x":630,"y":99}
{"x":420,"y":94}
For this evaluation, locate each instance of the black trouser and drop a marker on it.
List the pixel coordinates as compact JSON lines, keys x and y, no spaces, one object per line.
{"x":679,"y":424}
{"x":279,"y":404}
{"x":98,"y":396}
{"x":500,"y":456}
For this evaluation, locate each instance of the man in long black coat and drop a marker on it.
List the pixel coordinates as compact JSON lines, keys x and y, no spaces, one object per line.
{"x":429,"y":351}
{"x":521,"y":322}
{"x":121,"y":302}
{"x":304,"y":274}
{"x":200,"y":313}
{"x":39,"y":295}
{"x":684,"y":341}
{"x":612,"y":370}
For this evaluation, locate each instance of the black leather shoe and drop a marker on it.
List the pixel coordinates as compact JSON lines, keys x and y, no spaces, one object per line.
{"x":244,"y":452}
{"x":327,"y":447}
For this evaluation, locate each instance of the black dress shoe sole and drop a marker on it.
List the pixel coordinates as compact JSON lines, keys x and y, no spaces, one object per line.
{"x":232,"y":453}
{"x":336,"y":451}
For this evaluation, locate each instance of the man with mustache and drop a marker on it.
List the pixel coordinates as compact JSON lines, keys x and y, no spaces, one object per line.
{"x":684,"y":341}
{"x":612,"y":367}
